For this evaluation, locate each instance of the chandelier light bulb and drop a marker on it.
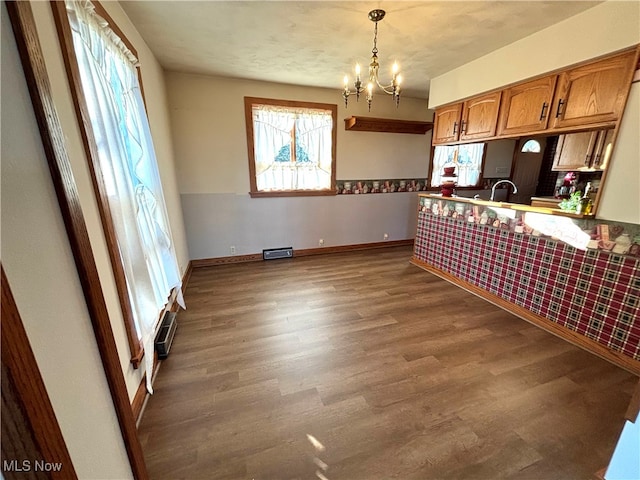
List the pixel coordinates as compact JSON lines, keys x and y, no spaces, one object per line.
{"x":393,"y":88}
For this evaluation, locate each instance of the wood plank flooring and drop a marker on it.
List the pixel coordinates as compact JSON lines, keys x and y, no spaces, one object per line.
{"x":395,"y":372}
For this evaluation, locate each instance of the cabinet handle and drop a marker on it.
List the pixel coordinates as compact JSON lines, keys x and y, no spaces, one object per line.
{"x":559,"y":111}
{"x":455,"y":127}
{"x":462,"y":129}
{"x":543,"y":115}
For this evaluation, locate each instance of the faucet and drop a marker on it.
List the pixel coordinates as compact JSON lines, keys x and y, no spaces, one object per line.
{"x":493,"y":189}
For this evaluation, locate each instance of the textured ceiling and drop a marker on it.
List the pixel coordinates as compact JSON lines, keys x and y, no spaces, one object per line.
{"x":315,"y":43}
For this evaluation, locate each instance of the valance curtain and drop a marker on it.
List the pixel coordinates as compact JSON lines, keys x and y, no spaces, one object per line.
{"x":275,"y":128}
{"x":466,"y":158}
{"x":129,"y":170}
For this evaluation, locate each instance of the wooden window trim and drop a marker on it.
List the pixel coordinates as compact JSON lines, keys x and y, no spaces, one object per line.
{"x":22,"y":369}
{"x":91,"y":151}
{"x":54,"y":146}
{"x":248,"y":115}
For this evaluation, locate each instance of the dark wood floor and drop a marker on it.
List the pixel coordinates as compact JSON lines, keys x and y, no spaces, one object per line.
{"x":393,"y":372}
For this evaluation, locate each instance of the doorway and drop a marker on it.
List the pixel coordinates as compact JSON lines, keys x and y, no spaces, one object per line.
{"x":528,"y":161}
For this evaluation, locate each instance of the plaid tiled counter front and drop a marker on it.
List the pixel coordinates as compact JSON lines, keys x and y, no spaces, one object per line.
{"x":594,"y":293}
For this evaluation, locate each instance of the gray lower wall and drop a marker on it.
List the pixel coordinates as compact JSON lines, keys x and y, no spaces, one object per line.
{"x":215,"y":222}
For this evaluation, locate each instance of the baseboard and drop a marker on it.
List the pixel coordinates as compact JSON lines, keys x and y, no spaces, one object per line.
{"x":186,"y":276}
{"x":351,"y":248}
{"x":141,"y":393}
{"x":305,"y":252}
{"x":618,"y":359}
{"x":210,"y":262}
{"x":138,"y":398}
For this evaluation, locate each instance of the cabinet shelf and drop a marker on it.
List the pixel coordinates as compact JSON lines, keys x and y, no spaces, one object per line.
{"x":370,"y":124}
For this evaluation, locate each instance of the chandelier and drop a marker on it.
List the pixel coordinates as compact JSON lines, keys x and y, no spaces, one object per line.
{"x":392,"y":89}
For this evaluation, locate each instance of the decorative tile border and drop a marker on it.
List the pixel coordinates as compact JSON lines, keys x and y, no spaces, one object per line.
{"x":348,"y":187}
{"x":594,"y":293}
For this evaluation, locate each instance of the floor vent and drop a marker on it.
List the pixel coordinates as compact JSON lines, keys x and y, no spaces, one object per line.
{"x":167,"y":331}
{"x":275,"y":253}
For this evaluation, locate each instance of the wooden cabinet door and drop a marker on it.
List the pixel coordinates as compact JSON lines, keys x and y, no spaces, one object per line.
{"x":593,"y":93}
{"x":575,"y":151}
{"x":526,"y":107}
{"x":480,"y":116}
{"x":446,"y":126}
{"x":602,"y":149}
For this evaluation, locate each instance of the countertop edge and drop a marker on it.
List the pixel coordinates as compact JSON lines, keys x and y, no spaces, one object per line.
{"x":512,"y":206}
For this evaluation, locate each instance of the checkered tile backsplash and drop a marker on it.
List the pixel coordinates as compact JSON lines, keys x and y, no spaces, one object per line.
{"x":594,"y":293}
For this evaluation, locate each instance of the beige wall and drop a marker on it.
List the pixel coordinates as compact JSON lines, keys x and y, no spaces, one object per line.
{"x":42,"y":274}
{"x":605,"y":28}
{"x":209,"y":137}
{"x":621,"y":198}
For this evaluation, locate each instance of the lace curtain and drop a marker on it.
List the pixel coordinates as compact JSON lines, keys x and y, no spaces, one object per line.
{"x":277,"y":131}
{"x":466,"y":158}
{"x":129,"y":170}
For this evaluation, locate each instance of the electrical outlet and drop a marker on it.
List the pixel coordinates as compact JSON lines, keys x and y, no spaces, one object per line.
{"x":233,"y":249}
{"x":385,"y":236}
{"x":321,"y":242}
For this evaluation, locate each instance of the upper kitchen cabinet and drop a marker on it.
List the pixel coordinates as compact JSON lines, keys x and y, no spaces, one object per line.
{"x":594,"y":93}
{"x":446,"y":126}
{"x":583,"y":151}
{"x":480,"y":116}
{"x":525,"y":107}
{"x":475,"y":118}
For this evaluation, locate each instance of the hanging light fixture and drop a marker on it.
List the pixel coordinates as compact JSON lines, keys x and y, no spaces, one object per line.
{"x":392,"y":89}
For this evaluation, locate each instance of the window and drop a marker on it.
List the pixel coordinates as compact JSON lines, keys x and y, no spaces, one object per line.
{"x":531,"y":146}
{"x":116,"y":129}
{"x":467,"y":160}
{"x":291,"y":147}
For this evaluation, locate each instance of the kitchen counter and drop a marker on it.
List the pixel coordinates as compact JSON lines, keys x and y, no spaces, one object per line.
{"x":539,"y":269}
{"x":513,"y":206}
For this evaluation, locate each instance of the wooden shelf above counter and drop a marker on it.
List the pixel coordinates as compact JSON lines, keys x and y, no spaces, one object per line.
{"x":390,"y":125}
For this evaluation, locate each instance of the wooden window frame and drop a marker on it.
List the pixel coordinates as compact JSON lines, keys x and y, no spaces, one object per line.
{"x":20,"y":372}
{"x":248,"y":113}
{"x":91,"y":151}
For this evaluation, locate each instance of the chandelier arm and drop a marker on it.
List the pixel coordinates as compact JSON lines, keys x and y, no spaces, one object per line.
{"x":385,"y":88}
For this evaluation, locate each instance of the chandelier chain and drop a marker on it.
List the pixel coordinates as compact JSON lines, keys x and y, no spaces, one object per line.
{"x":375,"y":40}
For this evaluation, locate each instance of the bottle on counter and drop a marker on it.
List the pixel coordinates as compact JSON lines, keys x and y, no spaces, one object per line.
{"x":585,"y":204}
